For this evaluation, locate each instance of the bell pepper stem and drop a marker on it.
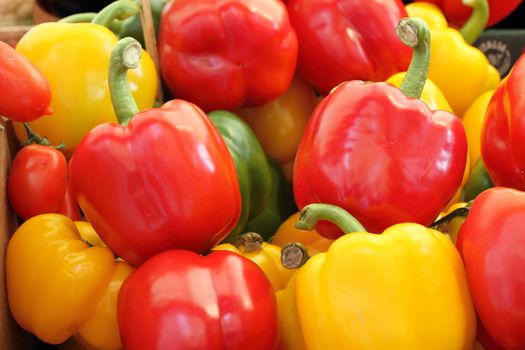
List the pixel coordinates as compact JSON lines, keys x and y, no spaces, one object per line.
{"x":34,"y":137}
{"x":125,"y":55}
{"x":312,"y":213}
{"x":477,"y":21}
{"x":249,"y":242}
{"x":414,"y":33}
{"x":84,"y":17}
{"x":120,"y":9}
{"x":442,"y":223}
{"x":87,"y":17}
{"x":294,"y":255}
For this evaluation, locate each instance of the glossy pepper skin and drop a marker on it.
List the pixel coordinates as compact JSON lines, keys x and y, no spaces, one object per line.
{"x":280,"y":123}
{"x":267,"y":256}
{"x":434,"y":99}
{"x":381,"y":155}
{"x":77,"y":283}
{"x":504,"y":130}
{"x":26,"y":95}
{"x":37,"y":181}
{"x":280,"y":205}
{"x":220,"y":301}
{"x":473,"y":120}
{"x":490,"y":242}
{"x":81,"y":98}
{"x":164,"y":179}
{"x":458,"y":13}
{"x":451,"y":57}
{"x":253,"y":171}
{"x":347,"y":40}
{"x":405,"y":288}
{"x":228,"y":53}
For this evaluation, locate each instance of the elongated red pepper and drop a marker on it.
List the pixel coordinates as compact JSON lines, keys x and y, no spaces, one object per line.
{"x":383,"y":156}
{"x":346,"y":40}
{"x":224,"y":54}
{"x":165,"y":180}
{"x":222,"y":301}
{"x":490,"y":242}
{"x":458,"y":13}
{"x":25,"y":91}
{"x":503,"y":131}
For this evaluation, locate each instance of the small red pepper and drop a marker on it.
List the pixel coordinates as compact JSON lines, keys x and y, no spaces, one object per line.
{"x":491,"y":243}
{"x":224,"y":54}
{"x":25,"y":91}
{"x":379,"y":153}
{"x":37,"y":181}
{"x":503,"y":131}
{"x":179,"y":300}
{"x":347,"y":40}
{"x":166,"y":180}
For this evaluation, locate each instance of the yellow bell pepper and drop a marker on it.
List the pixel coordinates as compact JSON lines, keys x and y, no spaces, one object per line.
{"x":77,"y":285}
{"x":267,"y":256}
{"x":431,"y":95}
{"x":74,"y":57}
{"x":279,"y":124}
{"x":461,"y":71}
{"x":473,"y":123}
{"x":287,"y":232}
{"x":403,"y":289}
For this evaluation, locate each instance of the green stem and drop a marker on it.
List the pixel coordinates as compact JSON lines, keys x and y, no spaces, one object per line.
{"x":84,"y":17}
{"x":34,"y":137}
{"x":125,"y":55}
{"x":477,"y":21}
{"x":312,"y":213}
{"x":414,"y":33}
{"x":120,"y":9}
{"x":87,"y":17}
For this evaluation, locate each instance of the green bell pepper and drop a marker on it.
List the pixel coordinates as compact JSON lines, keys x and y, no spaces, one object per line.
{"x":132,"y":26}
{"x":280,"y":205}
{"x":253,"y":171}
{"x":478,"y":181}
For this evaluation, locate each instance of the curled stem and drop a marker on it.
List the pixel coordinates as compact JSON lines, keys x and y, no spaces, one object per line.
{"x":125,"y":55}
{"x":414,"y":33}
{"x":312,"y":213}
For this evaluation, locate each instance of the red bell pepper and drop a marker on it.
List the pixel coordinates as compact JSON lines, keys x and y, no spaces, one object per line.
{"x":503,"y":131}
{"x":345,"y":40}
{"x":491,"y":243}
{"x":180,"y":300}
{"x":164,"y":181}
{"x":379,"y":154}
{"x":224,"y":54}
{"x":25,"y":91}
{"x":458,"y":13}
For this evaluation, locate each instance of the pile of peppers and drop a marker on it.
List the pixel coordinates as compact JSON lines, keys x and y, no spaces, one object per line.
{"x":316,"y":174}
